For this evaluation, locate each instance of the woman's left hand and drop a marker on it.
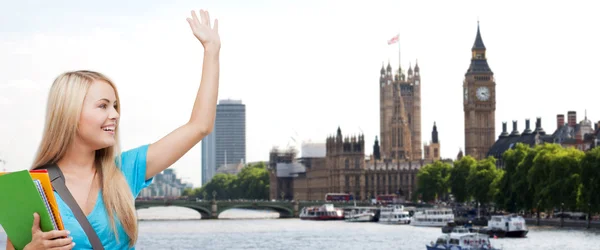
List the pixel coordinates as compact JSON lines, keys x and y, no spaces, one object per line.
{"x":207,"y":35}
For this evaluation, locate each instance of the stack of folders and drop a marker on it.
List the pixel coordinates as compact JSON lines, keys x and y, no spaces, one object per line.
{"x":23,"y":193}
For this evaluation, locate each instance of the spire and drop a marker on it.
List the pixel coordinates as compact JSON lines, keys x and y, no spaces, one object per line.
{"x":478,"y":41}
{"x":389,"y":67}
{"x":434,"y":134}
{"x":339,"y":132}
{"x":479,"y":62}
{"x":382,"y":69}
{"x":416,"y":65}
{"x":376,"y":152}
{"x":410,"y":71}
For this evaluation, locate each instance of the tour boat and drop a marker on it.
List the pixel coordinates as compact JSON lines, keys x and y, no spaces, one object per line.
{"x":506,"y":226}
{"x":360,"y":214}
{"x":324,"y":212}
{"x":461,"y":240}
{"x":432,"y":217}
{"x":394,"y":214}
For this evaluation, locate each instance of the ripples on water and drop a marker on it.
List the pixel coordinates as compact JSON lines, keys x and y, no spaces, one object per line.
{"x":179,"y":228}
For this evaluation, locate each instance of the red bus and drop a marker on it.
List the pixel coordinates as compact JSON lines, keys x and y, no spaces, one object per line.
{"x":338,"y":197}
{"x":387,"y":198}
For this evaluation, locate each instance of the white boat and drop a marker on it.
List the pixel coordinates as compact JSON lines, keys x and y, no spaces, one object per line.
{"x":461,"y":241}
{"x":324,"y":212}
{"x":360,"y":214}
{"x":507,"y":226}
{"x":432,"y":217}
{"x":394,"y":214}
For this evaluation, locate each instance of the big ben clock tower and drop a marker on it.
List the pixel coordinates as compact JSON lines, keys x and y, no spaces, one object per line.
{"x":479,"y":89}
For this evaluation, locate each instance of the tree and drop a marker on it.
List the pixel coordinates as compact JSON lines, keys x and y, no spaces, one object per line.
{"x":188,"y":192}
{"x":539,"y":175}
{"x":508,"y":194}
{"x":520,"y":178}
{"x":564,"y":177}
{"x":432,"y":180}
{"x":251,"y":183}
{"x":589,"y":190}
{"x":479,"y":182}
{"x":458,"y":178}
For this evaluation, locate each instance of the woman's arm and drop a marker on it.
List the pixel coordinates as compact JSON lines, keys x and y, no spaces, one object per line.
{"x":163,"y":153}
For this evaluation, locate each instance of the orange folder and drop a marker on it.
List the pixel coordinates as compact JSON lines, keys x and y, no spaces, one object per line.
{"x":44,"y":178}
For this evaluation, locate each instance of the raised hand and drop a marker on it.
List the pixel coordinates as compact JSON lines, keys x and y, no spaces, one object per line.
{"x":207,"y":35}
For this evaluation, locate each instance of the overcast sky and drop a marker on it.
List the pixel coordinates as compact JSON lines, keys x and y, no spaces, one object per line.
{"x":301,"y":67}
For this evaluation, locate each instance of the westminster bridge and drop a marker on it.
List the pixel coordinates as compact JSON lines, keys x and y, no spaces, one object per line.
{"x":212,"y":208}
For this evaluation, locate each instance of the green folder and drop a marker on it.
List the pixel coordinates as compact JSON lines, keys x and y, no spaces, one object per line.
{"x":19,"y":199}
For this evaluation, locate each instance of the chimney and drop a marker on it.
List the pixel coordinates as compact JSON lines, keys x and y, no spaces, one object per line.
{"x":572,"y":118}
{"x":538,"y":126}
{"x":527,"y":128}
{"x":515,"y":131}
{"x":504,"y":132}
{"x":560,"y":121}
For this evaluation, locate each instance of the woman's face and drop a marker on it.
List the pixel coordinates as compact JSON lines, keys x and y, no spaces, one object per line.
{"x":99,"y":116}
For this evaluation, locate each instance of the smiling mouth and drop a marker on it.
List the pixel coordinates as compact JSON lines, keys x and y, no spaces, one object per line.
{"x":110,"y":130}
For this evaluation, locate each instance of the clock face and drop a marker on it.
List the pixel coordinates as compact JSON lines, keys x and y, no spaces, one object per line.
{"x":417,"y":82}
{"x":483,"y":93}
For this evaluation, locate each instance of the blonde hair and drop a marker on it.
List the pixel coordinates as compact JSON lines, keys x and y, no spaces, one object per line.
{"x":65,"y":103}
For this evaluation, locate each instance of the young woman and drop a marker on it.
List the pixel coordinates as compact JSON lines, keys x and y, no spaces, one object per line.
{"x":81,"y":137}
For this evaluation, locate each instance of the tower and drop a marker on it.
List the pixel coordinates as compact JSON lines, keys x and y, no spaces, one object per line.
{"x":432,"y":150}
{"x":227,"y":143}
{"x":416,"y":113}
{"x":479,"y":104}
{"x":345,"y":160}
{"x":400,"y":114}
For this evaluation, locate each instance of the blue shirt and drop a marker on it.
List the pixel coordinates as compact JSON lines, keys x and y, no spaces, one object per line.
{"x":133,"y":166}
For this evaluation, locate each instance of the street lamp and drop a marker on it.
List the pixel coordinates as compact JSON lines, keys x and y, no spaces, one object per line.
{"x":589,"y":214}
{"x":214,"y":193}
{"x":296,"y":196}
{"x":562,"y":213}
{"x":282,"y":195}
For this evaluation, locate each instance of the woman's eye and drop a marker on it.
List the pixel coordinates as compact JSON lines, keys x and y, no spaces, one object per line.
{"x":103,"y":106}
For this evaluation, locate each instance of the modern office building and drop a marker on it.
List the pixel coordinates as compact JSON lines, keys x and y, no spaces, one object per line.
{"x":227,"y":143}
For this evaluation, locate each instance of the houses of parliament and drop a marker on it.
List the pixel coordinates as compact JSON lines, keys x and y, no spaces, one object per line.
{"x":340,"y":165}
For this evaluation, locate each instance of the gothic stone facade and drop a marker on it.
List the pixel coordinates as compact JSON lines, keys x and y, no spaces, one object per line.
{"x":345,"y":170}
{"x":400,"y":114}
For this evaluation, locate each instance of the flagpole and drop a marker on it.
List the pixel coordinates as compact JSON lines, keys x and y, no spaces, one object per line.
{"x":399,"y":57}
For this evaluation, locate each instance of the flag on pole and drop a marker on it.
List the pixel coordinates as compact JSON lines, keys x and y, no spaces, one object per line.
{"x":394,"y":39}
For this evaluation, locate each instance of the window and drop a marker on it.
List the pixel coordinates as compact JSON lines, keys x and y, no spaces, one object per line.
{"x":347,"y":163}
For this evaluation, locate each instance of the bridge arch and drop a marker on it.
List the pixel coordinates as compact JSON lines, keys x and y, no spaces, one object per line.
{"x":284,"y":212}
{"x":204,"y":212}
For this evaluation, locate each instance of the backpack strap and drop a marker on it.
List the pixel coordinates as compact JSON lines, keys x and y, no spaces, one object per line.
{"x":58,"y":184}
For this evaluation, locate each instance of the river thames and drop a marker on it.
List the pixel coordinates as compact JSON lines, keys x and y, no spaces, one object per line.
{"x":179,"y":228}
